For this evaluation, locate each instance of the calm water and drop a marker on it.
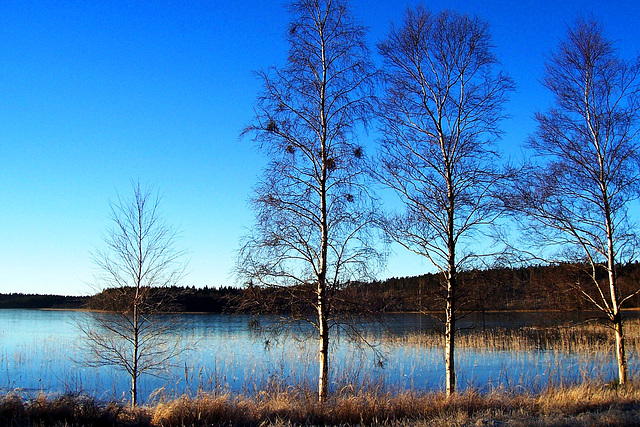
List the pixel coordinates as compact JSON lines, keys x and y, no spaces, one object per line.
{"x":40,"y":351}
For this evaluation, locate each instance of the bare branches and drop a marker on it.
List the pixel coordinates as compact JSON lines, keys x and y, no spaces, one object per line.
{"x":439,"y":117}
{"x":130,"y":329}
{"x":314,"y":211}
{"x":441,"y":112}
{"x":577,"y":197}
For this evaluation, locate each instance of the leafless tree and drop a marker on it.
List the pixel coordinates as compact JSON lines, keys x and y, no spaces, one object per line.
{"x":314,"y":212}
{"x":128,"y":327}
{"x":578,"y":191}
{"x":443,"y":103}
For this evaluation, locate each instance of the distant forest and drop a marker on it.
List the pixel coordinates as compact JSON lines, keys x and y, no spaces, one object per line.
{"x":551,"y":287}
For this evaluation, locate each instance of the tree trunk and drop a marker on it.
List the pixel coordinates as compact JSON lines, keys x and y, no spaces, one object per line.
{"x":323,"y":347}
{"x":450,"y":314}
{"x":136,"y":350}
{"x":613,"y":289}
{"x":620,"y":351}
{"x":134,"y":373}
{"x":322,"y":283}
{"x":450,"y":330}
{"x":134,"y":391}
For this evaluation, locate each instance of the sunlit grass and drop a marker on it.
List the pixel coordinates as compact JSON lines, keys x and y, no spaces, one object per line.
{"x":584,"y":404}
{"x":571,"y":338}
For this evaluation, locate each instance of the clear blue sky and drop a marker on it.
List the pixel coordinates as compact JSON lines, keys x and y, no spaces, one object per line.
{"x":94,"y":94}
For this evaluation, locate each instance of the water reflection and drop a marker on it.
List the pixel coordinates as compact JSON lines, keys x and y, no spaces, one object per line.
{"x":41,"y":350}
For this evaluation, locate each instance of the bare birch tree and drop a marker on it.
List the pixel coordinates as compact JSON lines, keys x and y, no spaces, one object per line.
{"x":128,"y":327}
{"x":314,"y":213}
{"x":443,"y":103}
{"x":578,"y":194}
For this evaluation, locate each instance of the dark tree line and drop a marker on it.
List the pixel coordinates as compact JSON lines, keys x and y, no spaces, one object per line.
{"x":185,"y":299}
{"x":18,"y":300}
{"x":539,"y":287}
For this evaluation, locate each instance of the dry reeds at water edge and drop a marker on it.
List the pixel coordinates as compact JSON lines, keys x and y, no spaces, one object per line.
{"x":585,"y":404}
{"x":586,"y":338}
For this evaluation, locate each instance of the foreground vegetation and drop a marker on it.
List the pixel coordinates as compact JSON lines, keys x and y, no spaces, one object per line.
{"x":586,"y":404}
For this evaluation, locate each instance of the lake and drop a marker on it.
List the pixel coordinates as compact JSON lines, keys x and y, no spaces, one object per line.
{"x":41,"y":351}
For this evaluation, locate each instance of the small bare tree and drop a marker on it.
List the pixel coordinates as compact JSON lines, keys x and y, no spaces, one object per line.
{"x":576,"y":198}
{"x":128,"y":327}
{"x":314,"y":211}
{"x":440,"y":114}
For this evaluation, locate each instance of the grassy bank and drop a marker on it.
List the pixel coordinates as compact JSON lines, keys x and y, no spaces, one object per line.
{"x":587,"y":404}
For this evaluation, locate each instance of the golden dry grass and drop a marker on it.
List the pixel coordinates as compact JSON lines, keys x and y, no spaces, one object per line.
{"x":585,"y":404}
{"x":580,"y":338}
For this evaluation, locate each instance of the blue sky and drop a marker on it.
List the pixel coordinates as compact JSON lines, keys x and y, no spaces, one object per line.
{"x":94,"y":94}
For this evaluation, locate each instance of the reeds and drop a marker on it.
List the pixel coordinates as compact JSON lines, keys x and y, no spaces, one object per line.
{"x":67,"y":410}
{"x":570,"y":338}
{"x":585,"y":404}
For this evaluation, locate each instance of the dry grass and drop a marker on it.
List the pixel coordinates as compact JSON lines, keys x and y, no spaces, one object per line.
{"x":586,"y":404}
{"x":67,"y":410}
{"x":580,"y":338}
